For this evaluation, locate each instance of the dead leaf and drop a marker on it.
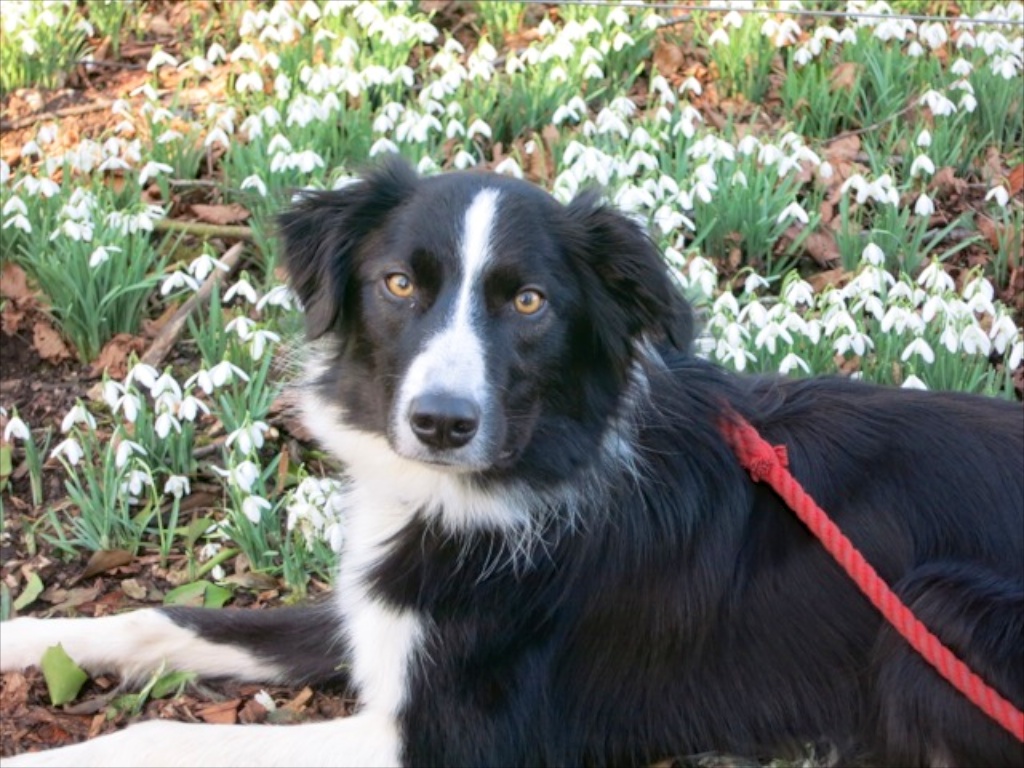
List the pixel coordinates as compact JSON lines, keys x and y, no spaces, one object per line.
{"x":221,"y":713}
{"x":820,"y":245}
{"x":844,"y":76}
{"x":133,"y":589}
{"x":1015,"y":180}
{"x":843,"y":149}
{"x":300,"y":700}
{"x":113,"y":358}
{"x":668,"y":57}
{"x":105,"y":560}
{"x":14,"y":282}
{"x":48,"y":343}
{"x":945,"y":183}
{"x":831,"y":277}
{"x":221,"y":214}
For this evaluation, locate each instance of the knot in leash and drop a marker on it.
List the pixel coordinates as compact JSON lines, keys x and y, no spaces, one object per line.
{"x":769,"y":464}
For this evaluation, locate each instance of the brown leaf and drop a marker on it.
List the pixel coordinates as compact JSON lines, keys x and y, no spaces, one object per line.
{"x":221,"y":713}
{"x":830,"y":277}
{"x":220,"y":214}
{"x":300,"y":700}
{"x":105,"y":560}
{"x":843,"y":149}
{"x":945,"y":183}
{"x":10,"y":318}
{"x":820,"y":245}
{"x":1016,"y":179}
{"x":14,"y":283}
{"x":844,"y":76}
{"x":668,"y":57}
{"x":48,"y":343}
{"x":114,"y":356}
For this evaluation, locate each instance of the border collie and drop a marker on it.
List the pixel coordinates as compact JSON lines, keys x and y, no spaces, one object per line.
{"x":551,"y":556}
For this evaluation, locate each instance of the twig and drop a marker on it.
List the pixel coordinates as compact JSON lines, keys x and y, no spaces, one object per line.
{"x":867,"y":128}
{"x":84,"y":109}
{"x":201,"y":229}
{"x":172,"y":330}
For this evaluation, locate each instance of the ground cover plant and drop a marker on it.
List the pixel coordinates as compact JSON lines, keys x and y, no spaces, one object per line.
{"x":838,"y":193}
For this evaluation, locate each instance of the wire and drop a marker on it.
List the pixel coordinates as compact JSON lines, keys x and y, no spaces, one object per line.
{"x":690,"y":9}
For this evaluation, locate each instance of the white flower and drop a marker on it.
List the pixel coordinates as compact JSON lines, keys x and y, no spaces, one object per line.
{"x":177,"y":280}
{"x":177,"y":486}
{"x":974,"y":341}
{"x":793,"y":211}
{"x":102,"y":254}
{"x":791,"y":361}
{"x":924,"y":205}
{"x":259,"y":340}
{"x":203,"y":265}
{"x":125,"y":450}
{"x":137,"y":480}
{"x":252,"y":508}
{"x":999,"y":194}
{"x":144,"y":373}
{"x":255,"y":182}
{"x":939,"y":105}
{"x":243,"y":476}
{"x":249,"y":437}
{"x":718,"y":37}
{"x":165,"y":422}
{"x":922,"y":164}
{"x":224,"y":371}
{"x":77,"y":415}
{"x":913,"y":382}
{"x":935,"y":279}
{"x":190,"y":406}
{"x":921,"y":348}
{"x":70,"y":449}
{"x":924,"y":139}
{"x":1015,"y":357}
{"x":858,"y":343}
{"x":872,"y":255}
{"x":241,"y":288}
{"x":263,"y":698}
{"x":160,"y":59}
{"x":151,"y":170}
{"x":509,"y":167}
{"x":16,"y":428}
{"x":278,"y":296}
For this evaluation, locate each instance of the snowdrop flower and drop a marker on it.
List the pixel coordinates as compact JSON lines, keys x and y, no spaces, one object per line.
{"x":255,"y":182}
{"x":924,"y":206}
{"x":921,"y":348}
{"x":792,"y":361}
{"x":913,"y":382}
{"x":165,"y":422}
{"x":509,"y":167}
{"x":151,"y":170}
{"x":793,"y":211}
{"x":166,"y":386}
{"x":263,"y":698}
{"x":242,"y":476}
{"x":159,"y":59}
{"x":125,"y":450}
{"x":190,"y":406}
{"x":223,"y":372}
{"x":278,"y":296}
{"x":922,"y":164}
{"x":754,"y":282}
{"x":201,"y":266}
{"x":999,"y":194}
{"x":1015,"y":357}
{"x":241,"y":326}
{"x":935,"y":279}
{"x":938,"y":104}
{"x":77,"y":415}
{"x":201,"y":378}
{"x":974,"y":341}
{"x":135,"y":483}
{"x":260,"y":340}
{"x":102,"y":254}
{"x":242,"y":288}
{"x":249,"y":437}
{"x":858,"y":343}
{"x":143,"y":373}
{"x":249,"y":81}
{"x":1002,"y":332}
{"x":924,"y":139}
{"x":177,"y":280}
{"x":718,"y":37}
{"x":872,"y":255}
{"x":177,"y":486}
{"x":16,"y":428}
{"x":798,"y":292}
{"x":252,"y":508}
{"x":70,"y":449}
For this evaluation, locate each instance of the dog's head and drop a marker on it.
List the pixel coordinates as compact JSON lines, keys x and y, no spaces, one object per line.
{"x":477,"y":322}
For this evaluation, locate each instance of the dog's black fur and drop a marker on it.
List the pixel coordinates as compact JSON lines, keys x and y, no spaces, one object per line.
{"x":667,"y":604}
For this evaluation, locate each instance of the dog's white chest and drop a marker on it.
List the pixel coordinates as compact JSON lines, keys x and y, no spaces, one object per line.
{"x":383,"y":639}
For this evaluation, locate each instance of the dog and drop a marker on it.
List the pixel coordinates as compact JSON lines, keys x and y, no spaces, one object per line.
{"x":551,"y":555}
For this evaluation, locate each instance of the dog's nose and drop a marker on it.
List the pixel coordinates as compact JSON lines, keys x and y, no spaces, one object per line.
{"x":444,"y":421}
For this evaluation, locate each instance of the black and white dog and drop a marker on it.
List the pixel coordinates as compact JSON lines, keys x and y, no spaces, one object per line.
{"x":551,"y":555}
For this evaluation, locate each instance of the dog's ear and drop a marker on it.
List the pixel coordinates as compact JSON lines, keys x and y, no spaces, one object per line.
{"x":322,"y":230}
{"x":640,"y":299}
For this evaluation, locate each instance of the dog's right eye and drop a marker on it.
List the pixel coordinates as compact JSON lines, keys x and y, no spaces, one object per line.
{"x":399,"y":284}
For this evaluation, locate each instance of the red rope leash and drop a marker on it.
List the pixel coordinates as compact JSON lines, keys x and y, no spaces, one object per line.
{"x":768,"y":463}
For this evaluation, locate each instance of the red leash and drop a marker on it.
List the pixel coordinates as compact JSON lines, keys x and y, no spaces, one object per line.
{"x":768,"y":463}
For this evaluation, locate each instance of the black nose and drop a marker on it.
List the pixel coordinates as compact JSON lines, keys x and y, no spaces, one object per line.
{"x":444,"y":421}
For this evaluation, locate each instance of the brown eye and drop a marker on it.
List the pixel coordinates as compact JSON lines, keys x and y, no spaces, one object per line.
{"x":399,"y":284}
{"x":528,"y":302}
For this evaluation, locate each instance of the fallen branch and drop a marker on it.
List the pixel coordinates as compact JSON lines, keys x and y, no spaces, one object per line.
{"x":200,"y":229}
{"x":172,"y":330}
{"x":56,"y":114}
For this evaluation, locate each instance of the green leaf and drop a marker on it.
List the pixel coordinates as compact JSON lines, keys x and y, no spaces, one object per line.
{"x":6,"y":463}
{"x":197,"y":528}
{"x":32,"y":590}
{"x":192,"y":594}
{"x":171,"y":683}
{"x":64,"y":678}
{"x":198,"y":593}
{"x":216,"y":596}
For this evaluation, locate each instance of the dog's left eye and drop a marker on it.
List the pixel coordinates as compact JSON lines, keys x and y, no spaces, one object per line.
{"x":529,"y":302}
{"x":399,"y":284}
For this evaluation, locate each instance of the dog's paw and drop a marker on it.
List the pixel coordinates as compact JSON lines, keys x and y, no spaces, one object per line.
{"x":23,"y":641}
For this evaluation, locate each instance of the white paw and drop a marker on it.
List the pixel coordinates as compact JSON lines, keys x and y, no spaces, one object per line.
{"x":22,"y":643}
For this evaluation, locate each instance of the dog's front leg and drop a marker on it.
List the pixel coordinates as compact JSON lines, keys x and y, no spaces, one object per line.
{"x":365,"y":739}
